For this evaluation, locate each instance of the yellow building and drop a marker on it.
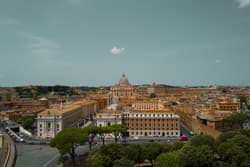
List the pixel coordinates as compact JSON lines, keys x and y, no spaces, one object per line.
{"x":228,"y":104}
{"x":146,"y":123}
{"x":149,"y":118}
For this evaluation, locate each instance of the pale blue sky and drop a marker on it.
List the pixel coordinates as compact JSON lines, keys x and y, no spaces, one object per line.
{"x":92,"y":42}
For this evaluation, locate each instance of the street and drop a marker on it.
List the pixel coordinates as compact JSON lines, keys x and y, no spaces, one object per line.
{"x":36,"y":156}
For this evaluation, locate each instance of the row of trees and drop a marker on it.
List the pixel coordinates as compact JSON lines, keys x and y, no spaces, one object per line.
{"x":67,"y":140}
{"x":34,"y":91}
{"x":231,"y":149}
{"x":237,"y":118}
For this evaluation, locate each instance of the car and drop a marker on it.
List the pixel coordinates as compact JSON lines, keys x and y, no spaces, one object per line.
{"x":136,"y":138}
{"x":184,"y":138}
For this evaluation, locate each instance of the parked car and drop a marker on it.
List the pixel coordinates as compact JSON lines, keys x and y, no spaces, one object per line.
{"x":184,"y":138}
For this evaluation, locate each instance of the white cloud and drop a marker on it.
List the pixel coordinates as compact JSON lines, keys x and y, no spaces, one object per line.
{"x":5,"y":21}
{"x":243,"y":3}
{"x":217,"y":61}
{"x":117,"y":51}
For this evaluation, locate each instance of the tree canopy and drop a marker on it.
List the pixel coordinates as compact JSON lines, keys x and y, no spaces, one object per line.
{"x":199,"y":140}
{"x":67,"y":140}
{"x":237,"y":118}
{"x":231,"y":149}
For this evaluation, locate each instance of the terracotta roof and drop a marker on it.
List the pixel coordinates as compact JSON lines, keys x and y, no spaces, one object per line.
{"x":60,"y":111}
{"x":151,"y":111}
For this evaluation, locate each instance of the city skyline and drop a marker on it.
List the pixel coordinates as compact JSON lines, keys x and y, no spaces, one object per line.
{"x":91,"y":43}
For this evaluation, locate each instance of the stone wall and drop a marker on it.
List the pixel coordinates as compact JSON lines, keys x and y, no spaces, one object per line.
{"x":200,"y":128}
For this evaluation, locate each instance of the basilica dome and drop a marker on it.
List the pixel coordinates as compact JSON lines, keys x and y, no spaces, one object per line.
{"x":124,"y":81}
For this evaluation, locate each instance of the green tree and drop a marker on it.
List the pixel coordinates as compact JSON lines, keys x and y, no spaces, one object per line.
{"x":67,"y":140}
{"x":243,"y":99}
{"x":235,"y":151}
{"x":151,"y":151}
{"x":91,"y":131}
{"x":117,"y":130}
{"x":123,"y":163}
{"x":114,"y":151}
{"x":102,"y":131}
{"x":171,"y":159}
{"x":167,"y":147}
{"x":97,"y":159}
{"x":225,"y":136}
{"x":178,"y":145}
{"x":237,"y":118}
{"x":196,"y":156}
{"x":26,"y":121}
{"x":134,"y":153}
{"x":152,"y":95}
{"x":199,"y":140}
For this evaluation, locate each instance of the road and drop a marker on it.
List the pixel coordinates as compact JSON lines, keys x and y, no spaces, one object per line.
{"x":36,"y":156}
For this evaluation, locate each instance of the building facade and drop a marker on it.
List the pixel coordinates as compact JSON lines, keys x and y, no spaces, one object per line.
{"x":123,"y":88}
{"x":161,"y":123}
{"x":51,"y":121}
{"x":156,"y":89}
{"x":108,"y":118}
{"x":227,"y":104}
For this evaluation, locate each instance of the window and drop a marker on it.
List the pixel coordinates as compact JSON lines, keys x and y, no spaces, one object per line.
{"x":41,"y":125}
{"x":40,"y":134}
{"x":57,"y":125}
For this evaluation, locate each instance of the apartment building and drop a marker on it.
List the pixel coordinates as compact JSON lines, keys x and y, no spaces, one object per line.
{"x":51,"y":121}
{"x":160,"y":123}
{"x":228,"y":104}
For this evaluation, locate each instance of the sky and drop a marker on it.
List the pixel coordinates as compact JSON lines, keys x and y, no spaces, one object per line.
{"x":92,"y":42}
